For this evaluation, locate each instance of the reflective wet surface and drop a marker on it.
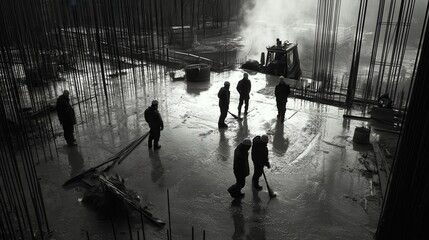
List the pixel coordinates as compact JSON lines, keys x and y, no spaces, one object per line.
{"x":316,"y":168}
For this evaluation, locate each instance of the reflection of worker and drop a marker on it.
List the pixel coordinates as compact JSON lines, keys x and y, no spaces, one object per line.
{"x":243,"y":87}
{"x":223,"y":96}
{"x":224,"y":148}
{"x":257,"y":219}
{"x":153,"y":118}
{"x":157,"y":173}
{"x":282,"y":92}
{"x":243,"y":130}
{"x":280,"y":144}
{"x":241,"y":168}
{"x":259,"y":158}
{"x":239,"y":222}
{"x":67,"y":117}
{"x":76,"y":161}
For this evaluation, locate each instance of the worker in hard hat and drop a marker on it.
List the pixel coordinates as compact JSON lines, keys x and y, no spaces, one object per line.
{"x":259,"y":158}
{"x":223,"y":96}
{"x":156,"y":125}
{"x":241,"y":168}
{"x":243,"y":88}
{"x":282,"y":92}
{"x":67,"y":117}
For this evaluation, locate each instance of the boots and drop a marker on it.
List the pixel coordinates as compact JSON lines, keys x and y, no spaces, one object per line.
{"x":234,"y":193}
{"x":157,"y":146}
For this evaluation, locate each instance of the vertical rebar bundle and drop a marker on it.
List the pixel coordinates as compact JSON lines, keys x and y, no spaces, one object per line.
{"x":356,"y":53}
{"x":47,"y":46}
{"x":328,"y":13}
{"x":391,"y":36}
{"x":406,"y":206}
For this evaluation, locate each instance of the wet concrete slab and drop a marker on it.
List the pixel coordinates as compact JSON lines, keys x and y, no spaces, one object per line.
{"x":316,"y":168}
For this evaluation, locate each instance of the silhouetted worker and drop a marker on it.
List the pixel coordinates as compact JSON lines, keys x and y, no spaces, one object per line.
{"x":259,"y":158}
{"x":282,"y":93}
{"x":67,"y":117}
{"x":384,"y":101}
{"x":223,"y":96}
{"x":153,"y":118}
{"x":243,"y":87}
{"x":241,"y":168}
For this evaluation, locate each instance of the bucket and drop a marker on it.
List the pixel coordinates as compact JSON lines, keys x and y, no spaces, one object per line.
{"x":197,"y":72}
{"x":361,"y":135}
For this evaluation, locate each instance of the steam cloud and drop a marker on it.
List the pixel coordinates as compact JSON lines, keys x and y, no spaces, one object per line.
{"x":292,"y":20}
{"x":266,"y":20}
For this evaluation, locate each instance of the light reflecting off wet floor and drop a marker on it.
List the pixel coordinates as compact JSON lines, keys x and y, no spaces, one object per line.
{"x":316,"y":168}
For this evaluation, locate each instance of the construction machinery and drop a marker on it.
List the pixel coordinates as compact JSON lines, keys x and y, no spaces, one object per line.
{"x":280,"y":60}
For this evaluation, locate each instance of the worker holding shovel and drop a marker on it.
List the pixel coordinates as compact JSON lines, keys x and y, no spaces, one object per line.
{"x":259,"y":158}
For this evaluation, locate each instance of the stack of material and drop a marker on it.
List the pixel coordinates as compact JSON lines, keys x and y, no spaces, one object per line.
{"x":107,"y":193}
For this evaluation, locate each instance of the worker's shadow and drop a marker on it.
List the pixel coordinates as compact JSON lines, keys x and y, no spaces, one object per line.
{"x":280,"y":144}
{"x":224,"y":147}
{"x":243,"y":130}
{"x":75,"y":159}
{"x":239,"y":222}
{"x":157,"y":173}
{"x":257,"y":224}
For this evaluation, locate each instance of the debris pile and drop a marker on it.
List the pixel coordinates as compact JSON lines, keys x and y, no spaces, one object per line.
{"x":107,"y":193}
{"x":101,"y":199}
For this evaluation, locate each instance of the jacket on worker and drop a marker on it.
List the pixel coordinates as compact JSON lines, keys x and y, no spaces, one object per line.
{"x":243,"y":87}
{"x":241,"y":160}
{"x":65,"y":111}
{"x":223,"y":96}
{"x":153,"y":118}
{"x":282,"y":92}
{"x":259,"y":152}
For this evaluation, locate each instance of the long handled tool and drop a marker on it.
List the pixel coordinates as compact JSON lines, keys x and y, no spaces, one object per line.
{"x":117,"y":158}
{"x":78,"y":177}
{"x":127,"y":151}
{"x":235,"y":116}
{"x":270,"y":191}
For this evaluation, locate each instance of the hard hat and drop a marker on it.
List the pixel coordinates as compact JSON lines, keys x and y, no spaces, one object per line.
{"x":226,"y":83}
{"x":155,"y":102}
{"x":281,"y":78}
{"x":264,"y":138}
{"x":247,"y":142}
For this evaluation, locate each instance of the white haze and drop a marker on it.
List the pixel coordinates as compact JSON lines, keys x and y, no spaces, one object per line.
{"x":292,"y":20}
{"x":272,"y":19}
